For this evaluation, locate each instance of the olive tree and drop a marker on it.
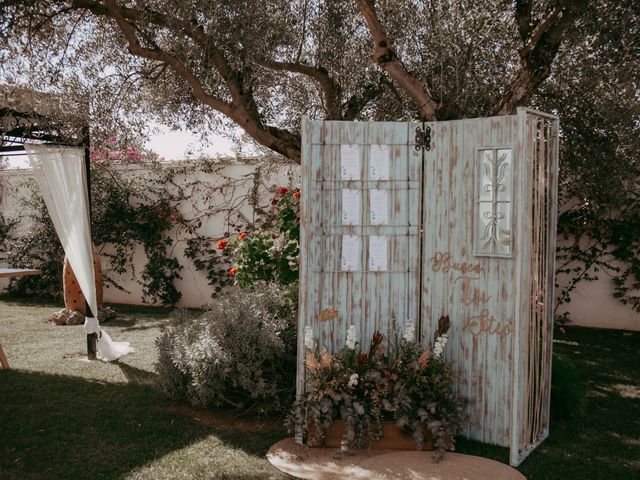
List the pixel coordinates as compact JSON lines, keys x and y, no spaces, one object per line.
{"x":260,"y":65}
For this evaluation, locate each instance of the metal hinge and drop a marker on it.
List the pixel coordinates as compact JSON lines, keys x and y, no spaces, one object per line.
{"x":423,"y":138}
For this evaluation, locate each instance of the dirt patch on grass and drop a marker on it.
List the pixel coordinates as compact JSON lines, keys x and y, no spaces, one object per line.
{"x":228,"y":419}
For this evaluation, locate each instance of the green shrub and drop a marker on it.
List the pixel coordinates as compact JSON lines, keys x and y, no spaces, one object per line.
{"x":241,"y":353}
{"x":172,"y":345}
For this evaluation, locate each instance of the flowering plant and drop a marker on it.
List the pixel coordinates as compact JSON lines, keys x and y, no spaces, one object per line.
{"x":271,"y":252}
{"x":409,"y":384}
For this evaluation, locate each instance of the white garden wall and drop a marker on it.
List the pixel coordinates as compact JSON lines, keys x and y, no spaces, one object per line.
{"x":227,"y":187}
{"x":593,"y":304}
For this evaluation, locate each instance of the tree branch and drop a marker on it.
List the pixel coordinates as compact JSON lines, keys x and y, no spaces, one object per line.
{"x":385,"y":56}
{"x":135,"y":48}
{"x":538,"y":52}
{"x":331,"y":90}
{"x":523,"y":18}
{"x":543,"y":27}
{"x":196,"y":33}
{"x":358,"y":102}
{"x":192,"y":31}
{"x":241,"y":109}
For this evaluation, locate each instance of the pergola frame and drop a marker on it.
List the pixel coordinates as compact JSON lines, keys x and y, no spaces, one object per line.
{"x":30,"y":115}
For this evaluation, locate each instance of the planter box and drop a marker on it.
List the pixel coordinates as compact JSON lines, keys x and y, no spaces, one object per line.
{"x":392,"y":439}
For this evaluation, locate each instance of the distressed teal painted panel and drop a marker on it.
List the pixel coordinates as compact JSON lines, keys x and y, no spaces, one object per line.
{"x":534,"y":294}
{"x":370,"y":300}
{"x":475,"y":291}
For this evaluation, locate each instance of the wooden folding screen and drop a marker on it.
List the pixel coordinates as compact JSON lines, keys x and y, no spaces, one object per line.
{"x":395,"y":232}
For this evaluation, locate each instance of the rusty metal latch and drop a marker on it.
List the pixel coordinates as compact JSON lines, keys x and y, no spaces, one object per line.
{"x":423,"y":138}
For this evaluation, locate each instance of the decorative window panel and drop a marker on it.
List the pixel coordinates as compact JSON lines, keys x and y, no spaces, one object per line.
{"x":494,"y":194}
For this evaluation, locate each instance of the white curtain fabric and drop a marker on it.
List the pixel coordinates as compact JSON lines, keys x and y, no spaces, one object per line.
{"x":60,"y":174}
{"x":108,"y":350}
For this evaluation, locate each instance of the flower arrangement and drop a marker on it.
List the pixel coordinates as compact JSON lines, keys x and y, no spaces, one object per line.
{"x":408,"y":384}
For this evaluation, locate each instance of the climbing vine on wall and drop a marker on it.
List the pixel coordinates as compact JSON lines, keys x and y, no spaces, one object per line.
{"x":602,"y":240}
{"x":159,"y":208}
{"x":38,"y":247}
{"x":5,"y":234}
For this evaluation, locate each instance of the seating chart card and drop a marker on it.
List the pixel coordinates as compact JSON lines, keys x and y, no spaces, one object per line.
{"x":349,"y":162}
{"x":379,"y":162}
{"x":350,"y":206}
{"x":350,"y":253}
{"x":379,"y":207}
{"x":378,"y":253}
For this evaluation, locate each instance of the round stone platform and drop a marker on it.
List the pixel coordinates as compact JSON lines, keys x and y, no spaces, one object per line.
{"x":323,"y":464}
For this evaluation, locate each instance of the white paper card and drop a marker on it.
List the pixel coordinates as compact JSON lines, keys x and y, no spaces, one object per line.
{"x":378,"y":257}
{"x":350,"y":253}
{"x":379,"y":162}
{"x":349,"y":162}
{"x":379,"y":207}
{"x":350,"y":206}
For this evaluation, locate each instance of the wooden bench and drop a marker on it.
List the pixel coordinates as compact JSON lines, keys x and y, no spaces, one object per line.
{"x":13,"y":272}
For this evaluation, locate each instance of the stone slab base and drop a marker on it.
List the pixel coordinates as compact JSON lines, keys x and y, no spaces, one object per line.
{"x":323,"y":464}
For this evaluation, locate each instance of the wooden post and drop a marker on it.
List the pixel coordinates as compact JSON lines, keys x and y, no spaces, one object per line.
{"x":91,"y":337}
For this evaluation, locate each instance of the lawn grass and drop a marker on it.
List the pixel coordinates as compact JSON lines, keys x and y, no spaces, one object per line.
{"x":602,"y":440}
{"x":62,"y":417}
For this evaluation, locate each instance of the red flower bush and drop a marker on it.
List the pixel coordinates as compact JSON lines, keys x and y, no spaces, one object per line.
{"x":282,"y":191}
{"x":242,"y":236}
{"x":222,"y":244}
{"x":233,"y":271}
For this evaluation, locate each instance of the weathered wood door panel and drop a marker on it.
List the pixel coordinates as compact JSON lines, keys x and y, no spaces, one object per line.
{"x":475,"y":291}
{"x":381,"y":298}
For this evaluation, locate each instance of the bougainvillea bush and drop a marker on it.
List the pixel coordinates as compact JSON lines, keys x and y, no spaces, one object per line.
{"x":241,"y":353}
{"x":409,"y":384}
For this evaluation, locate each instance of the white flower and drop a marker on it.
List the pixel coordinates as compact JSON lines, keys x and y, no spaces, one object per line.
{"x":439,"y":345}
{"x":353,"y":380}
{"x":351,"y":337}
{"x":410,"y":331}
{"x":308,"y":337}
